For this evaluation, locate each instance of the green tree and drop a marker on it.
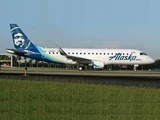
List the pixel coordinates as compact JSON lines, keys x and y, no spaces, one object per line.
{"x":157,"y":63}
{"x":25,"y":61}
{"x":18,"y":58}
{"x":37,"y":62}
{"x":31,"y":62}
{"x":14,"y":61}
{"x":4,"y":57}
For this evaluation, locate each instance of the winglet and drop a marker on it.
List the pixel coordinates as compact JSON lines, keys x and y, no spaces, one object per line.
{"x":62,"y":51}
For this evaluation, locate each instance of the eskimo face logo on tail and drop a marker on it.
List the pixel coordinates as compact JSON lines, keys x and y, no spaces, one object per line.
{"x":120,"y":56}
{"x":19,"y":40}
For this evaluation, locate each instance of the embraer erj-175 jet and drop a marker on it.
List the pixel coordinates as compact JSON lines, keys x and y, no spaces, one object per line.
{"x":97,"y":58}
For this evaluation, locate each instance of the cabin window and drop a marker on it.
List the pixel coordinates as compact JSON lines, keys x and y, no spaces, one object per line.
{"x":80,"y":53}
{"x":108,"y":53}
{"x":92,"y":53}
{"x":69,"y":53}
{"x":77,"y":53}
{"x":73,"y":53}
{"x":88,"y":53}
{"x":96,"y":53}
{"x":84,"y":53}
{"x":100,"y":53}
{"x":111,"y":53}
{"x":104,"y":53}
{"x":57,"y":52}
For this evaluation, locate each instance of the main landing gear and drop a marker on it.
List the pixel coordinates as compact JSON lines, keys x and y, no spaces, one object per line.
{"x":81,"y":68}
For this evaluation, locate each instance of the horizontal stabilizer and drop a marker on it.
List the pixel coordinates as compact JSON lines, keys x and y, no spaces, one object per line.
{"x":17,"y":52}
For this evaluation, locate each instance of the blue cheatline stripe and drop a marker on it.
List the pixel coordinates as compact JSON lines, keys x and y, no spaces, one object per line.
{"x":14,"y":28}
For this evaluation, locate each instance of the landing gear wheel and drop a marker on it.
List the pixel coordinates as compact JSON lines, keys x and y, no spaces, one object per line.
{"x":81,"y":68}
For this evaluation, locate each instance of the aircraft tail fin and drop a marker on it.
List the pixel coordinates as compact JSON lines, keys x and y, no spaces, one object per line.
{"x":20,"y":40}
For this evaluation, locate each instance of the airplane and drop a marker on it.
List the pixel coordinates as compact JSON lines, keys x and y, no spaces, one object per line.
{"x":96,"y":58}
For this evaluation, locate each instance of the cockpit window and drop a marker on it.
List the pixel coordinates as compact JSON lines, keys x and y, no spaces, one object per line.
{"x":142,"y":53}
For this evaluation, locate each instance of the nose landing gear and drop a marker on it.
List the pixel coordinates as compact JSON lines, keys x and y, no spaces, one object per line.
{"x":135,"y":67}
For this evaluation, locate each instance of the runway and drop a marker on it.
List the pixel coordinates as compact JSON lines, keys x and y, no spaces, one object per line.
{"x":122,"y":78}
{"x":70,"y":71}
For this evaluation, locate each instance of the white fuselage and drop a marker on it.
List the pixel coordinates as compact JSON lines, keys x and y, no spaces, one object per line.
{"x":108,"y":56}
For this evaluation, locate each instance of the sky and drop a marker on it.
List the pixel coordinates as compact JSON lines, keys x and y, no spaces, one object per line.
{"x":108,"y":24}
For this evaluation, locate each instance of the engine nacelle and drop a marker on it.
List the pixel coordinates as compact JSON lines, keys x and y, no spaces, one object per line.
{"x":98,"y":64}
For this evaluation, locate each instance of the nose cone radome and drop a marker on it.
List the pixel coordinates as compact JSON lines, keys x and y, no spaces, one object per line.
{"x":152,"y":61}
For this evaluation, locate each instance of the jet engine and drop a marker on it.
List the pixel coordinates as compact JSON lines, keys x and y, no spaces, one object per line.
{"x":98,"y":64}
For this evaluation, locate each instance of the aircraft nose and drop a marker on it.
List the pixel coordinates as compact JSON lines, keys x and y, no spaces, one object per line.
{"x":151,"y":60}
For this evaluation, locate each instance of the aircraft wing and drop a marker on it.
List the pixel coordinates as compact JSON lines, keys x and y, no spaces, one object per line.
{"x":17,"y":52}
{"x":74,"y":58}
